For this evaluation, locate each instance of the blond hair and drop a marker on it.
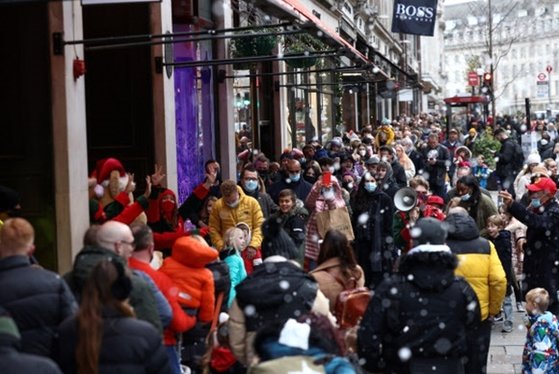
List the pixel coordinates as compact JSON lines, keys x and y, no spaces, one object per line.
{"x":539,"y":297}
{"x":497,"y":220}
{"x":16,"y":237}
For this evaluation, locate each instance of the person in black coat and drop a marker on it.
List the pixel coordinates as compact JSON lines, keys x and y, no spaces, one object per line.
{"x":542,"y":237}
{"x":38,"y":299}
{"x":505,"y":168}
{"x":104,"y":337}
{"x":372,"y":225}
{"x":398,"y":172}
{"x":418,"y":320}
{"x":13,"y":361}
{"x":437,"y":162}
{"x":293,"y":180}
{"x":292,"y":217}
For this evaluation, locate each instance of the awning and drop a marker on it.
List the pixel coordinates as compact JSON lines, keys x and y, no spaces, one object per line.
{"x":464,"y":100}
{"x":295,"y":9}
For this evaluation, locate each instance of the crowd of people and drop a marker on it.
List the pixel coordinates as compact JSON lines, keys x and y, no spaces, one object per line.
{"x":246,"y":274}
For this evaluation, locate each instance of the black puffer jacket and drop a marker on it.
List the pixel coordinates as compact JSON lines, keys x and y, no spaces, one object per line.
{"x":15,"y":362}
{"x":425,"y":310}
{"x":277,"y":291}
{"x":37,"y":299}
{"x":128,"y":346}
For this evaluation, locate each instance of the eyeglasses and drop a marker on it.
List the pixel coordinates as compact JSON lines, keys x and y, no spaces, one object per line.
{"x":131,"y":244}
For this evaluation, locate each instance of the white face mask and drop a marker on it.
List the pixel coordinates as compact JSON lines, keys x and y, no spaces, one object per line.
{"x":362,"y":153}
{"x":331,"y":169}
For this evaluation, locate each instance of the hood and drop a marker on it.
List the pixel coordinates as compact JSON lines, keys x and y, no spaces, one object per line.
{"x":154,"y":212}
{"x":432,"y":271}
{"x":193,"y":253}
{"x":276,"y":281}
{"x":461,"y":227}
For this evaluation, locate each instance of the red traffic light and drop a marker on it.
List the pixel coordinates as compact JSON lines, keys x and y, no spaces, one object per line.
{"x":487,"y":78}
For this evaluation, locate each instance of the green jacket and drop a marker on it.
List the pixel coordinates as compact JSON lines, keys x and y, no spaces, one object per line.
{"x":141,"y":298}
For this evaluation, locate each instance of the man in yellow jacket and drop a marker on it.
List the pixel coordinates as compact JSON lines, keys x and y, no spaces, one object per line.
{"x":235,"y":207}
{"x":479,"y":264}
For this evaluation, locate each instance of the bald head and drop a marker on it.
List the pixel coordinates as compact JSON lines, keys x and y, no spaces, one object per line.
{"x":117,"y":237}
{"x":16,"y":238}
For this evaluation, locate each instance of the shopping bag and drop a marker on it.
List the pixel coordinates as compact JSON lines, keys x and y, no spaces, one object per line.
{"x":335,"y":219}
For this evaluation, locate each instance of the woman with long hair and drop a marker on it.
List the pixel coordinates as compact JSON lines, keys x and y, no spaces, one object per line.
{"x":337,"y":266}
{"x":104,"y":336}
{"x":469,"y":196}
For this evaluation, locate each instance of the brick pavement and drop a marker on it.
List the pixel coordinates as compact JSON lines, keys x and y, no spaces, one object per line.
{"x":505,"y":351}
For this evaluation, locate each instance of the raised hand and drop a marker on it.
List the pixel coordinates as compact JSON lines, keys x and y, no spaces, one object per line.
{"x":147,"y":192}
{"x":158,"y":175}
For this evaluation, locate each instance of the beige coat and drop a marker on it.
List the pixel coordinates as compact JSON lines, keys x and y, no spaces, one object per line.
{"x":328,"y":285}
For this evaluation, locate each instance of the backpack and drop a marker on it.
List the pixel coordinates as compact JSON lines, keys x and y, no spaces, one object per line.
{"x":518,"y":160}
{"x":351,"y":303}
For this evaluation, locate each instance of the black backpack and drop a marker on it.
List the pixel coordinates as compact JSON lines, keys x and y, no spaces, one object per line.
{"x":518,"y":160}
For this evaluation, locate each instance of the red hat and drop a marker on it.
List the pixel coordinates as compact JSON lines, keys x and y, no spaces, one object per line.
{"x":434,"y":199}
{"x":543,"y":184}
{"x":106,"y":166}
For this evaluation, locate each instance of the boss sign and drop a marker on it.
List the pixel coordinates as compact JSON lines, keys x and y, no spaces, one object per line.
{"x":414,"y":17}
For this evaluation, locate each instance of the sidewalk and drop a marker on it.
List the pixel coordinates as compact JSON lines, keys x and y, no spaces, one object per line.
{"x":505,"y":352}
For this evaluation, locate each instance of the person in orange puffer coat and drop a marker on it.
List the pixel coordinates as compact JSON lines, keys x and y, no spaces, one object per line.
{"x":187,"y":268}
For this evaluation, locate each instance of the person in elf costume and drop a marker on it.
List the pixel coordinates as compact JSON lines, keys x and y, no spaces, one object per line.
{"x":113,"y":194}
{"x":163,"y":216}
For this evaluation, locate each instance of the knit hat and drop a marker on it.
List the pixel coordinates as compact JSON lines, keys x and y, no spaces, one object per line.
{"x":276,"y":241}
{"x":428,"y":231}
{"x":533,"y":158}
{"x":9,"y":199}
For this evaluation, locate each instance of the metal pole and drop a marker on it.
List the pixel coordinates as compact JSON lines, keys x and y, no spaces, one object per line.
{"x":491,"y":67}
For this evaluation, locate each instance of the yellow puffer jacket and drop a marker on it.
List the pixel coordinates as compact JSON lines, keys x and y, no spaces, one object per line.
{"x":223,"y":217}
{"x":478,"y":263}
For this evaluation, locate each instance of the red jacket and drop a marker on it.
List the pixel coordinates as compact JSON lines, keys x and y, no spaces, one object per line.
{"x":186,"y":267}
{"x":181,"y":321}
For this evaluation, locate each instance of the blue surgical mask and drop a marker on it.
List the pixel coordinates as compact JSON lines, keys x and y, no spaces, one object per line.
{"x":370,"y":186}
{"x":295,"y":177}
{"x":535,"y":203}
{"x":465,"y":197}
{"x":251,"y":185}
{"x":234,"y":204}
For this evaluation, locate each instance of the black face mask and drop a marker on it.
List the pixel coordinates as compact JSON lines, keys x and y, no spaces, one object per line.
{"x":311,"y":179}
{"x":263,"y":173}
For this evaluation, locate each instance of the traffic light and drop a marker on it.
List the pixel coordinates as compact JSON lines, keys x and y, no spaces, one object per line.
{"x":487,"y":84}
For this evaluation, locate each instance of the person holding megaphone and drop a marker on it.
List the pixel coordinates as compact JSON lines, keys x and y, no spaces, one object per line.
{"x":412,"y":203}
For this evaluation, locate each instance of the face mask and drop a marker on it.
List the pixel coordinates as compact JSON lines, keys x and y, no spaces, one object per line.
{"x":302,"y":160}
{"x":370,"y":186}
{"x":336,"y":166}
{"x":348,"y":186}
{"x":233,"y":205}
{"x":362,"y":153}
{"x":167,"y":206}
{"x":263,"y":173}
{"x":465,"y":197}
{"x":384,"y":158}
{"x":544,"y":142}
{"x":251,"y":185}
{"x":310,"y":179}
{"x":295,"y":177}
{"x":331,"y":169}
{"x":536,"y":203}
